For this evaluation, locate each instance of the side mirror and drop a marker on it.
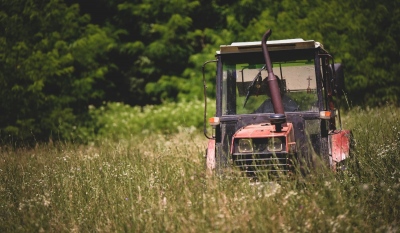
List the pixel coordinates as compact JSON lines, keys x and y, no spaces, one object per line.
{"x":339,"y":79}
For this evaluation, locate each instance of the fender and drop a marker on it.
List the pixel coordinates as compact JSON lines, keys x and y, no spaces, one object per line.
{"x":210,"y":156}
{"x":340,"y":145}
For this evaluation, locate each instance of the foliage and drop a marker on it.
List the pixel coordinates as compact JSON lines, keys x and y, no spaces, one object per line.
{"x":57,"y":57}
{"x":117,"y":120}
{"x":51,"y":58}
{"x":365,"y":39}
{"x":124,"y":185}
{"x":373,"y":172}
{"x":361,"y":36}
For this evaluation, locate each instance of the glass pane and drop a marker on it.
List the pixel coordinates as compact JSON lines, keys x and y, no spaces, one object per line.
{"x":246,"y":91}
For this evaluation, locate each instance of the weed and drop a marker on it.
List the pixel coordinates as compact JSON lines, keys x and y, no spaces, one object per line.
{"x":156,"y":182}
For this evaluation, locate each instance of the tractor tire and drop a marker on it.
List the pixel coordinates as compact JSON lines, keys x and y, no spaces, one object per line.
{"x":325,"y":157}
{"x":221,"y":160}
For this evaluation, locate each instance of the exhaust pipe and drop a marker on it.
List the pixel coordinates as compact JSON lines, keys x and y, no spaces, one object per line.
{"x":279,"y":117}
{"x":272,"y":81}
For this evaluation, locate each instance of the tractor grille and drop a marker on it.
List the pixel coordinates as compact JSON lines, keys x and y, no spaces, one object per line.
{"x":271,"y":165}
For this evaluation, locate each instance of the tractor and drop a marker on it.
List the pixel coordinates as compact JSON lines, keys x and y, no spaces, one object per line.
{"x":275,"y":108}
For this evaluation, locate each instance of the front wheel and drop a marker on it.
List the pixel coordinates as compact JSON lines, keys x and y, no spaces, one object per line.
{"x":221,"y":160}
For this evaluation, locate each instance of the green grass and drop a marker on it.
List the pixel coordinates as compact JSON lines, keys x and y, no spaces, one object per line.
{"x":157,"y":183}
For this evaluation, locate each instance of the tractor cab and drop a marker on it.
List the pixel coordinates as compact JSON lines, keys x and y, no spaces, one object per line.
{"x":275,"y":107}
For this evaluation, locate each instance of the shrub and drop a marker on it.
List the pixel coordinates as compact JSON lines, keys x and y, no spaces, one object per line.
{"x":117,"y":120}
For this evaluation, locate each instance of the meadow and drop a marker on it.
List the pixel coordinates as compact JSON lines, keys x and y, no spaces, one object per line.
{"x":146,"y":173}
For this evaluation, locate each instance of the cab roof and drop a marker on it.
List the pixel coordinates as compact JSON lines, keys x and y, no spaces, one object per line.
{"x":273,"y":45}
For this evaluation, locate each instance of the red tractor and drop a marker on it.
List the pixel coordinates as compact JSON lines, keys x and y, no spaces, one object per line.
{"x":275,"y":108}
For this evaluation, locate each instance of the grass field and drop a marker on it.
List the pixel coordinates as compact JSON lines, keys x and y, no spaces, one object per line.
{"x":157,"y":183}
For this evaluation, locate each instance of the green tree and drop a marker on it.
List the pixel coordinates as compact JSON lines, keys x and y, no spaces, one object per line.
{"x":364,"y":36}
{"x":59,"y":56}
{"x":165,"y":29}
{"x":51,"y":60}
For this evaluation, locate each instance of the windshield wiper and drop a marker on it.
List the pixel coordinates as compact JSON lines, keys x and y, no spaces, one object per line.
{"x":250,"y":88}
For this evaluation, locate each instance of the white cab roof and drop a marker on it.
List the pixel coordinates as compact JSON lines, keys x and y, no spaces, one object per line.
{"x":273,"y":45}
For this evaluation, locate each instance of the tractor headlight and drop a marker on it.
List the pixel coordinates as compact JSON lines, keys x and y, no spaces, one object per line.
{"x":275,"y":144}
{"x":245,"y":145}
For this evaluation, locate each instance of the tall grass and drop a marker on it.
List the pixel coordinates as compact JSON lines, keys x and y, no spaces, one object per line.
{"x":158,"y":183}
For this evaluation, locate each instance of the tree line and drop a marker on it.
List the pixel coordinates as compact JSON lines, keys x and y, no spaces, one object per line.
{"x":57,"y":57}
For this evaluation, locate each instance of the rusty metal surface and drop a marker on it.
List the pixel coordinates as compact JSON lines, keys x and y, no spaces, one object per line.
{"x":340,"y":145}
{"x":309,"y":134}
{"x":210,"y":160}
{"x":272,"y":80}
{"x":265,"y":130}
{"x":261,"y":131}
{"x":230,"y":124}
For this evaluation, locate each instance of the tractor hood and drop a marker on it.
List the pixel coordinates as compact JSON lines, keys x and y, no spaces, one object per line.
{"x":262,"y":131}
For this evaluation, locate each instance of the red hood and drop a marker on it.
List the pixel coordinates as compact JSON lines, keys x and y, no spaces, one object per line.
{"x":261,"y":131}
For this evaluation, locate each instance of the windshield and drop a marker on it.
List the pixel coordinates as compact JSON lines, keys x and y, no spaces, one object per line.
{"x":246,"y":91}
